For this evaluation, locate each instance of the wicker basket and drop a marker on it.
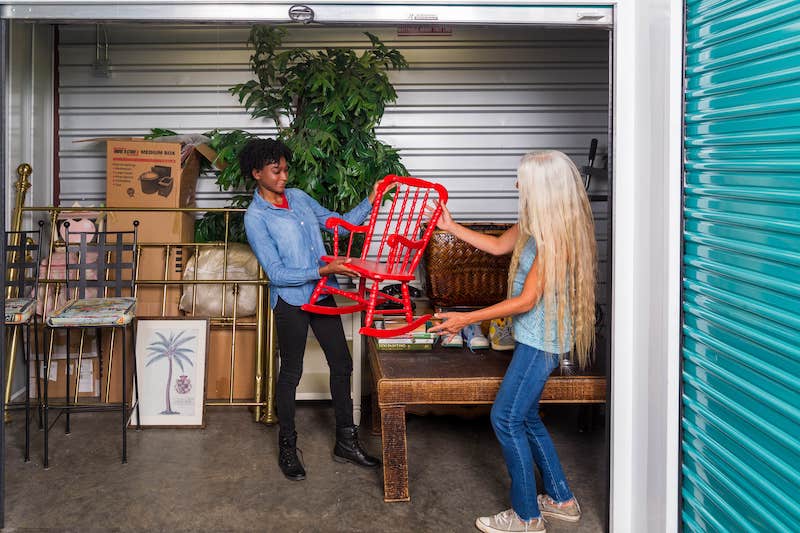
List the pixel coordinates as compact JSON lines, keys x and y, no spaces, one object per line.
{"x":458,"y":274}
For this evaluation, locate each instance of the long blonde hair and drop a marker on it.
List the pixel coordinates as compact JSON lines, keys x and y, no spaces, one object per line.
{"x":554,"y":210}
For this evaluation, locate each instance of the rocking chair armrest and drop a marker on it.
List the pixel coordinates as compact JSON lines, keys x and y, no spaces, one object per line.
{"x":334,"y":222}
{"x":393,"y":240}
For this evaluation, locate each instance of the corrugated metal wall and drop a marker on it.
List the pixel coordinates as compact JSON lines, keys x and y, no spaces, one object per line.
{"x":469,"y":106}
{"x":741,"y":352}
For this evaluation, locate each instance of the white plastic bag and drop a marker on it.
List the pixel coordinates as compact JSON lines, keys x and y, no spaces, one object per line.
{"x":242,"y":265}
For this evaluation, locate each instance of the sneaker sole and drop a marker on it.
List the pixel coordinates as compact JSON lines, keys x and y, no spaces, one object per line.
{"x":502,"y":347}
{"x":452,"y":345}
{"x":557,"y":516}
{"x":489,"y":529}
{"x":343,"y":461}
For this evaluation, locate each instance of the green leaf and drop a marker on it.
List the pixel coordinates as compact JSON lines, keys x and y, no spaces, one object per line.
{"x":333,"y":100}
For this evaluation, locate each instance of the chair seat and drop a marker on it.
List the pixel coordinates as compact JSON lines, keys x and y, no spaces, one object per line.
{"x":94,"y":312}
{"x":19,"y":310}
{"x":374,"y":269}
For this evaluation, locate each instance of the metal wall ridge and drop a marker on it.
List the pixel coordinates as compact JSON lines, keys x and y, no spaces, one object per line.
{"x":744,"y":417}
{"x":703,"y":444}
{"x":788,"y":380}
{"x":744,"y":220}
{"x":750,"y":268}
{"x":790,"y":257}
{"x":757,"y":309}
{"x":704,"y":11}
{"x":779,"y":336}
{"x":783,"y":135}
{"x":703,"y":508}
{"x":722,"y":430}
{"x":746,"y":362}
{"x":737,"y":21}
{"x":764,"y":510}
{"x":765,"y":71}
{"x":752,"y":193}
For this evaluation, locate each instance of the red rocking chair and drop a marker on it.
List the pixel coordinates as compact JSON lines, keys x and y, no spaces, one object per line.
{"x":399,"y":252}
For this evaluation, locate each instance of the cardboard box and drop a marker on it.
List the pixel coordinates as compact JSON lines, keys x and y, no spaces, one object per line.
{"x":219,"y":364}
{"x":59,"y":348}
{"x":115,"y":386}
{"x":88,"y":384}
{"x":153,"y":264}
{"x":100,"y":368}
{"x":143,"y":173}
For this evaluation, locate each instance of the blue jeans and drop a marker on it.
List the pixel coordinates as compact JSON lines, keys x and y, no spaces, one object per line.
{"x":522,"y":435}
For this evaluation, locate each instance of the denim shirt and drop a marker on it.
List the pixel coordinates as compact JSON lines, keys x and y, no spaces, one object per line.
{"x":530,"y":328}
{"x":288,"y":242}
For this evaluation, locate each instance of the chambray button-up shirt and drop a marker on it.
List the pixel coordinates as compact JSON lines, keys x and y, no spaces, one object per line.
{"x":288,"y":242}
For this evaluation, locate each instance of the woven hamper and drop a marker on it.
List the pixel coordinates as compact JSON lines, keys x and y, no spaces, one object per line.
{"x":458,"y":274}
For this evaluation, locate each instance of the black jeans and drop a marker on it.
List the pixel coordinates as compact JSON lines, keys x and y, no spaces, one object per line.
{"x":292,"y":324}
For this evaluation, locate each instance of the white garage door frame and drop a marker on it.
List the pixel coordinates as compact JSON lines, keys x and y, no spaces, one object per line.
{"x":646,"y":200}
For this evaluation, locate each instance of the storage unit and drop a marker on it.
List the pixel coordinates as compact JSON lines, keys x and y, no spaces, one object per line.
{"x":741,"y":287}
{"x":645,"y":81}
{"x":473,"y":100}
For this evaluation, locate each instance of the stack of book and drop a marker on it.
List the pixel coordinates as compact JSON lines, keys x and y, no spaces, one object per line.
{"x":418,"y":339}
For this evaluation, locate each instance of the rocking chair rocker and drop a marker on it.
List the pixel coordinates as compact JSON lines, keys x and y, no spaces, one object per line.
{"x":400,"y":249}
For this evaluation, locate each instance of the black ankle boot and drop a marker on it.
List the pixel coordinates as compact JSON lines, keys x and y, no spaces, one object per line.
{"x":349,"y":450}
{"x":290,"y":464}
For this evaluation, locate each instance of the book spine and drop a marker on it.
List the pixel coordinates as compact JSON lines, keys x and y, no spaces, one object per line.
{"x":404,"y":340}
{"x":411,"y":347}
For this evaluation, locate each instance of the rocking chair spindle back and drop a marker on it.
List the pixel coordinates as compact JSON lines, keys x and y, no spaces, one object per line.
{"x":415,"y":204}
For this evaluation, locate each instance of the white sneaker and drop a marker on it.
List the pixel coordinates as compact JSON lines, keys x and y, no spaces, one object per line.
{"x":509,"y":521}
{"x":474,"y":337}
{"x":452,"y":341}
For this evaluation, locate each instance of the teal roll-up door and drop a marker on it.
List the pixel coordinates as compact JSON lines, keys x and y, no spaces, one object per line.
{"x":740,"y":421}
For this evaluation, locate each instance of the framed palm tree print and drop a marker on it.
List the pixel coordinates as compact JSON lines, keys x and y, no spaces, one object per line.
{"x":171,"y":367}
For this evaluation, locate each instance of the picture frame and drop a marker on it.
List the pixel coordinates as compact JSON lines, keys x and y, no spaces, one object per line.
{"x":171,"y":356}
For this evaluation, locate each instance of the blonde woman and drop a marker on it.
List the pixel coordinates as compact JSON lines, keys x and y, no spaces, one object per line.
{"x":552,"y":299}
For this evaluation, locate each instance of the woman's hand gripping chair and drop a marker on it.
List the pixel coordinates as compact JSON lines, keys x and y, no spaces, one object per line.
{"x":410,"y":220}
{"x":100,"y":281}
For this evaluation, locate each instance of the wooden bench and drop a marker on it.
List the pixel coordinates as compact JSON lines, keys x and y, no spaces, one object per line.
{"x":446,"y":376}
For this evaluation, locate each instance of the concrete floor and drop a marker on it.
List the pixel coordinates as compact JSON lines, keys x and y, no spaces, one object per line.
{"x":226,"y":477}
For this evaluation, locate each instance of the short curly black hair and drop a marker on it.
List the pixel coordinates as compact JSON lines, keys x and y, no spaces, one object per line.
{"x":259,"y":152}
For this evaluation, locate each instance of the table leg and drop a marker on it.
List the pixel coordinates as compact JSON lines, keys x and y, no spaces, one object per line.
{"x":395,"y":458}
{"x":376,"y":412}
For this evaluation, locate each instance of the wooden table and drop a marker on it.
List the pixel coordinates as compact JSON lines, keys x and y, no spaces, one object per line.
{"x":447,"y":376}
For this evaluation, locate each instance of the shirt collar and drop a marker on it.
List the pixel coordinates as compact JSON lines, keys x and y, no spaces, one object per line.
{"x":263,"y":204}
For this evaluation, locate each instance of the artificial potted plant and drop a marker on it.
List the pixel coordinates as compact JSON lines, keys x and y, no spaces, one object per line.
{"x":326,"y":105}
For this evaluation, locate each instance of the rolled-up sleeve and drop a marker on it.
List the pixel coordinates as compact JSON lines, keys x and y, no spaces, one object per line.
{"x":359,"y":213}
{"x":356,"y":216}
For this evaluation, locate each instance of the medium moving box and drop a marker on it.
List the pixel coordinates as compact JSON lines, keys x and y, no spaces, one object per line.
{"x":143,"y":173}
{"x":115,"y":386}
{"x":59,"y":343}
{"x":153,"y":264}
{"x":219,"y":364}
{"x":88,"y":384}
{"x":149,"y":174}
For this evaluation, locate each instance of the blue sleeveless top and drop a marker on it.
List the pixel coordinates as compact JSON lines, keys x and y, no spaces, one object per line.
{"x":530,"y":327}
